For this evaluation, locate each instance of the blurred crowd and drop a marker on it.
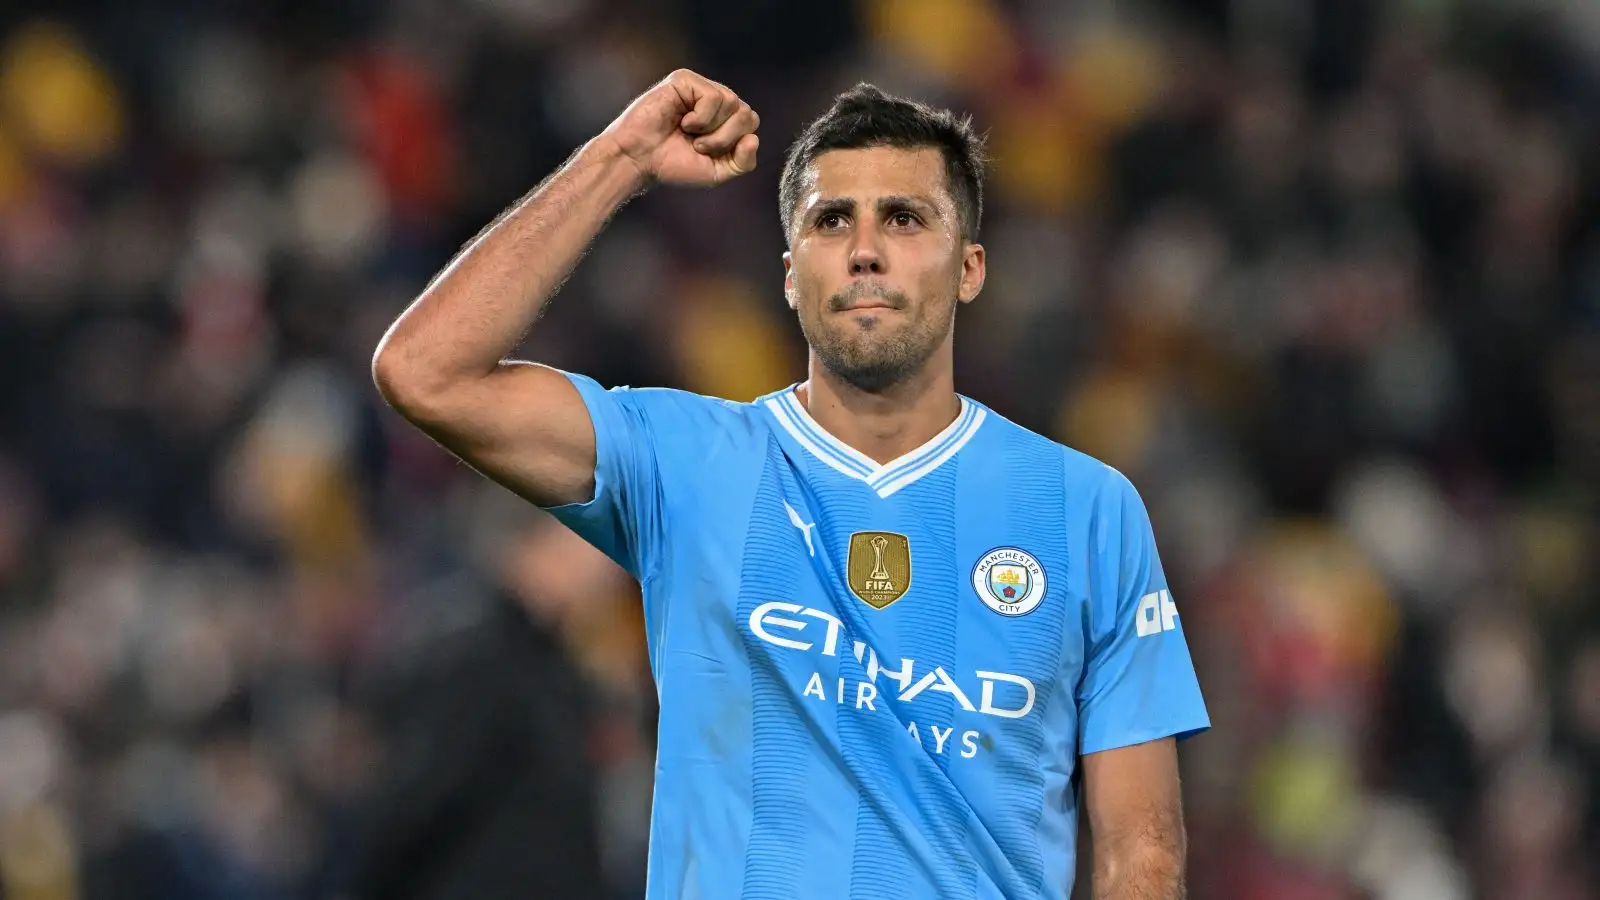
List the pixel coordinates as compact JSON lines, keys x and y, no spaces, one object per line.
{"x":1321,"y":276}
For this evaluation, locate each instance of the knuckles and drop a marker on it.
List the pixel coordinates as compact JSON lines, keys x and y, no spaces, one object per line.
{"x":689,"y":77}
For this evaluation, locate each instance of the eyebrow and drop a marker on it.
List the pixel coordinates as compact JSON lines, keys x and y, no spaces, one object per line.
{"x":897,"y":202}
{"x":843,"y":206}
{"x":846,"y":206}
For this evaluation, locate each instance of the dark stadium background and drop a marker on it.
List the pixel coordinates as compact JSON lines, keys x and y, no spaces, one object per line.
{"x":1321,"y":276}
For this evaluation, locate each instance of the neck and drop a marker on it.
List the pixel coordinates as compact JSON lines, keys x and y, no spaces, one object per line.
{"x":888,"y":424}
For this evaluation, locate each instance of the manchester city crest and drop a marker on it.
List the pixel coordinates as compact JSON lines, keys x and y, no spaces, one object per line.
{"x":1009,"y":581}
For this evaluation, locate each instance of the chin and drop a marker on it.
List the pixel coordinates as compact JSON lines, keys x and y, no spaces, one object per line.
{"x":871,"y":369}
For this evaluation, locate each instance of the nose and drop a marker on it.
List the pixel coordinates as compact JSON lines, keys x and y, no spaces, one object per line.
{"x":866,"y":256}
{"x":866,"y":262}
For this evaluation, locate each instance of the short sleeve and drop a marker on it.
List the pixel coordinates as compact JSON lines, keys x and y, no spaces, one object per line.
{"x":1138,"y":682}
{"x":624,"y":517}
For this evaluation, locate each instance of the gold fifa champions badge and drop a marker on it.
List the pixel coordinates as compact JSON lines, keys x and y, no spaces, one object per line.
{"x":879,"y":569}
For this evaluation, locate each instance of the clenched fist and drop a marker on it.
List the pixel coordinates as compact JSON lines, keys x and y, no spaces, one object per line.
{"x":688,"y":130}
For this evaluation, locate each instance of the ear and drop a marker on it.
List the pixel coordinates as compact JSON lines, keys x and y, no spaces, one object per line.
{"x":788,"y":280}
{"x":974,"y":269}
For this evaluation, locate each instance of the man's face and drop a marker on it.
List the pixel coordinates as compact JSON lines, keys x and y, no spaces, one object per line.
{"x":877,"y":263}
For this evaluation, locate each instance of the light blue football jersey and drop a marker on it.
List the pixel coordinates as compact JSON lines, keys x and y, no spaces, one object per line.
{"x":876,"y":680}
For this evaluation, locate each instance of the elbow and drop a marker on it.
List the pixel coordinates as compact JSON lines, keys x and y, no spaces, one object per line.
{"x":401,"y":383}
{"x":1161,"y":859}
{"x":386,"y":374}
{"x":1156,"y":869}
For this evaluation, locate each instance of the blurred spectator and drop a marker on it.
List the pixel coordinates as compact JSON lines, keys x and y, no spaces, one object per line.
{"x":489,"y":790}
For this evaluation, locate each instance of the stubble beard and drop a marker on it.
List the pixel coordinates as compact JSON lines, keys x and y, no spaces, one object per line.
{"x":871,"y":354}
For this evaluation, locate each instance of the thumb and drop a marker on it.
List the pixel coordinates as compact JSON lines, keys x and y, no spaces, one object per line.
{"x":742,"y":161}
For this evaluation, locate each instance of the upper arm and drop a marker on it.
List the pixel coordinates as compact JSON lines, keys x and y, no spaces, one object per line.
{"x":524,"y":425}
{"x":1135,"y":809}
{"x":1138,"y":681}
{"x":591,"y":456}
{"x":1133,"y":798}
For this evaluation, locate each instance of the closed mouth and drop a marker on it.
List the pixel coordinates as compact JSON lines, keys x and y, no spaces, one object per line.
{"x":864,"y":295}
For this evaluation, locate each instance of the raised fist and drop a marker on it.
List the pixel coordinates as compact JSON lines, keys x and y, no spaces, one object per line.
{"x":688,"y":130}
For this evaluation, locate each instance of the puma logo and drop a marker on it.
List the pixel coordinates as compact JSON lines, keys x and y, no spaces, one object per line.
{"x":805,"y":527}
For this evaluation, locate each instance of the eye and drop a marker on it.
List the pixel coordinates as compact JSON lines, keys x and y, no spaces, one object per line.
{"x":903,"y":219}
{"x":830,"y":221}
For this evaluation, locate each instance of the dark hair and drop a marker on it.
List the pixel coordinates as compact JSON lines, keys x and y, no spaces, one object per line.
{"x":865,"y":116}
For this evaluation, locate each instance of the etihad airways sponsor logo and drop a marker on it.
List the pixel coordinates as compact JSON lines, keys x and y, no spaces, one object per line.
{"x":812,"y":630}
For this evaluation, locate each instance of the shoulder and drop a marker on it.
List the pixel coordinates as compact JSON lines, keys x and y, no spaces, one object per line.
{"x":669,"y":409}
{"x":654,"y":399}
{"x":686,"y":418}
{"x":1097,"y":499}
{"x":1082,"y":474}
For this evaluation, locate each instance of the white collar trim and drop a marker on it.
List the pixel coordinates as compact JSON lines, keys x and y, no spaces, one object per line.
{"x":891,"y":476}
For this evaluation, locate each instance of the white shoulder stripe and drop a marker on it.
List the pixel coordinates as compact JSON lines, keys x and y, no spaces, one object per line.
{"x":934,"y":446}
{"x":894,"y":484}
{"x":789,"y":425}
{"x":884,"y":479}
{"x":847,"y":454}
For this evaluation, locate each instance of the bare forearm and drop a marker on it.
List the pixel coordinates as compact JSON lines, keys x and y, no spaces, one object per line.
{"x":443,"y":363}
{"x":1143,"y":871}
{"x":475,"y":312}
